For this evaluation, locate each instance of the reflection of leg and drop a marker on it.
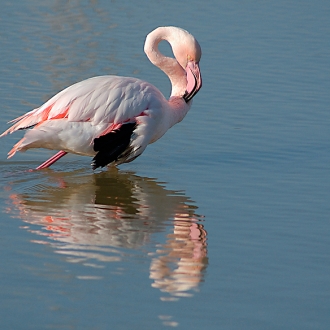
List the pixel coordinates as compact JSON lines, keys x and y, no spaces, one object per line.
{"x":52,"y":160}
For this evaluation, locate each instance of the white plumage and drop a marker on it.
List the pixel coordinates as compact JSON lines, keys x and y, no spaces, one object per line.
{"x":114,"y":118}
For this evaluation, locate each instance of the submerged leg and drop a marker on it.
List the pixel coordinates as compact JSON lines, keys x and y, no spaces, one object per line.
{"x":52,"y":160}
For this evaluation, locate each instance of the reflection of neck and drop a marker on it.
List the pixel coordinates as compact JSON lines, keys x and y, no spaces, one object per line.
{"x":186,"y":249}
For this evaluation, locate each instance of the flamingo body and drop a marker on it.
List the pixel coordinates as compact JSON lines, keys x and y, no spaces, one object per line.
{"x":112,"y":118}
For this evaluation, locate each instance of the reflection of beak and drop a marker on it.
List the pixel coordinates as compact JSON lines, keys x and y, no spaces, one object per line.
{"x":194,"y":80}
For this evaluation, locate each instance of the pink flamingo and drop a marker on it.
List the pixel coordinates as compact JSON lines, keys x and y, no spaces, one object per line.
{"x":114,"y":118}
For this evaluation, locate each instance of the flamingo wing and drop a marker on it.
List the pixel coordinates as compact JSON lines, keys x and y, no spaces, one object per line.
{"x":103,"y":99}
{"x":112,"y":117}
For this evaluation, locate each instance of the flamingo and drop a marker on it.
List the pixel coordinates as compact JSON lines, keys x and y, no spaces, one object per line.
{"x":113,"y":118}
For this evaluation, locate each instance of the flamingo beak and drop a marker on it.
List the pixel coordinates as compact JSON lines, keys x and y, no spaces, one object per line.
{"x":194,"y":80}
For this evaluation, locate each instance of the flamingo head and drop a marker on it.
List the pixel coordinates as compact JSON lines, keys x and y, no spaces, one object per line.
{"x":188,"y":53}
{"x":194,"y":80}
{"x":183,"y":71}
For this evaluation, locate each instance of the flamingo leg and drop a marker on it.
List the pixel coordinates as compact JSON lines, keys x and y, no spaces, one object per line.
{"x":52,"y":160}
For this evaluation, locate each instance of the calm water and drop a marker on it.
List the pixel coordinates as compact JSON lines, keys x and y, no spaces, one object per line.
{"x":222,"y":224}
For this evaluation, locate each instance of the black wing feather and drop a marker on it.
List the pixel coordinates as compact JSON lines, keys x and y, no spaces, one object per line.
{"x":112,"y":145}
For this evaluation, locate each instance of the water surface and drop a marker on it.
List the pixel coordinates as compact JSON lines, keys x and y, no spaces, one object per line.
{"x":222,"y":224}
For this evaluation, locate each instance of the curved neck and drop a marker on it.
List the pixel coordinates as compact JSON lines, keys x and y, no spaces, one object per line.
{"x":170,"y":66}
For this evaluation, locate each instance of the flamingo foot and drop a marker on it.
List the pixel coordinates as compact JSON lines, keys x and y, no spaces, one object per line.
{"x":52,"y":160}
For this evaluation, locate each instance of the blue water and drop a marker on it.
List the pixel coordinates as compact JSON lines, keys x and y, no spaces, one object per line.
{"x":222,"y":224}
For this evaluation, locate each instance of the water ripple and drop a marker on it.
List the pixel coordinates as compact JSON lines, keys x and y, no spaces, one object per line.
{"x":96,"y":219}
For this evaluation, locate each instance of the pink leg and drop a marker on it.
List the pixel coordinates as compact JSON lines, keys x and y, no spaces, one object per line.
{"x":52,"y":160}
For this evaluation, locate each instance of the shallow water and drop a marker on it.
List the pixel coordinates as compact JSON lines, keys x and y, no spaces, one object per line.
{"x":222,"y":224}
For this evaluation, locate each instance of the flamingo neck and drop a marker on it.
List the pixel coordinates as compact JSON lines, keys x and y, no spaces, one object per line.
{"x":179,"y":109}
{"x":170,"y":66}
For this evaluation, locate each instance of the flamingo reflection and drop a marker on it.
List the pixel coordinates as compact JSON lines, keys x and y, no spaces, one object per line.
{"x":91,"y":219}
